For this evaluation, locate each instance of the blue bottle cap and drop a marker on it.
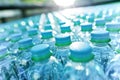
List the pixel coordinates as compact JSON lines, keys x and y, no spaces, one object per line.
{"x":100,"y":36}
{"x":32,"y":32}
{"x":100,"y":22}
{"x":113,"y":27}
{"x":36,"y":25}
{"x":47,"y":27}
{"x":62,"y":40}
{"x":86,"y":27}
{"x":15,"y":37}
{"x":91,"y":19}
{"x":61,"y":23}
{"x":40,"y":52}
{"x":46,"y":34}
{"x":76,"y":22}
{"x":100,"y":14}
{"x":65,"y":28}
{"x":108,"y":18}
{"x":80,"y":52}
{"x":25,"y":43}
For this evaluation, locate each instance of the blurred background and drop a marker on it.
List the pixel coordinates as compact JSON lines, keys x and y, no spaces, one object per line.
{"x":16,"y":9}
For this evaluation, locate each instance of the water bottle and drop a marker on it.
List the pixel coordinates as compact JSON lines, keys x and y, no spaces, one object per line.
{"x":91,"y":17}
{"x":76,"y":26}
{"x":22,"y":59}
{"x":66,"y":28}
{"x":23,"y":54}
{"x":13,"y":42}
{"x":24,"y":47}
{"x":114,"y":28}
{"x":47,"y":27}
{"x":34,"y":34}
{"x":84,"y":34}
{"x":113,"y":70}
{"x":5,"y":60}
{"x":47,"y":38}
{"x":99,"y":23}
{"x":101,"y":49}
{"x":45,"y":66}
{"x":62,"y":42}
{"x":81,"y":65}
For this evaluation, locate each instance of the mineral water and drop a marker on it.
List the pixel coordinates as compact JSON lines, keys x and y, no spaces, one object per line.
{"x":81,"y":65}
{"x":45,"y":67}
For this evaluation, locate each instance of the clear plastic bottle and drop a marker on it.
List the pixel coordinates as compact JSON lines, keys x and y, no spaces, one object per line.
{"x":84,"y":34}
{"x":114,"y":28}
{"x":13,"y":41}
{"x":22,"y":59}
{"x":24,"y":48}
{"x":66,"y":28}
{"x":99,"y":24}
{"x":45,"y":66}
{"x":113,"y":68}
{"x":101,"y":49}
{"x":81,"y":65}
{"x":47,"y":38}
{"x":23,"y":53}
{"x":62,"y":42}
{"x":5,"y":61}
{"x":34,"y":34}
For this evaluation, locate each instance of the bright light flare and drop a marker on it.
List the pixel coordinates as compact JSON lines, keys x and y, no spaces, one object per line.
{"x":64,"y":3}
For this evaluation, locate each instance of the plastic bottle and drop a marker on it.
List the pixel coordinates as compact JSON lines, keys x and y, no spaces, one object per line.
{"x":47,"y":38}
{"x":66,"y":28}
{"x":22,"y":58}
{"x":62,"y":42}
{"x":34,"y":34}
{"x":24,"y":47}
{"x":5,"y":61}
{"x":81,"y":65}
{"x":113,"y":70}
{"x":45,"y":66}
{"x":101,"y":49}
{"x":13,"y":42}
{"x":99,"y":23}
{"x":114,"y":28}
{"x":84,"y":34}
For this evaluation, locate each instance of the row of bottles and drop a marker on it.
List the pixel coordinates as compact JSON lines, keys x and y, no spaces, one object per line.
{"x":54,"y":47}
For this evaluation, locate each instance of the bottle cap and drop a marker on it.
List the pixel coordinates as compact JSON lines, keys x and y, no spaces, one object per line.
{"x":40,"y":52}
{"x":32,"y":32}
{"x":80,"y":52}
{"x":61,"y":23}
{"x":25,"y":43}
{"x":62,"y":40}
{"x":100,"y":36}
{"x":76,"y":22}
{"x":46,"y":34}
{"x":100,"y":22}
{"x":47,"y":27}
{"x":15,"y":37}
{"x":113,"y":27}
{"x":65,"y":28}
{"x":108,"y":18}
{"x":86,"y":27}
